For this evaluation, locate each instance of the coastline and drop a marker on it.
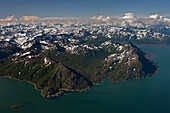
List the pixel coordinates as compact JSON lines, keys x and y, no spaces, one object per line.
{"x":22,"y":81}
{"x":62,"y":90}
{"x":160,"y":45}
{"x":57,"y":94}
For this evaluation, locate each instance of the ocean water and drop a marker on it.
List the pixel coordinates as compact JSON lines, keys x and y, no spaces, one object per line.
{"x":150,"y":95}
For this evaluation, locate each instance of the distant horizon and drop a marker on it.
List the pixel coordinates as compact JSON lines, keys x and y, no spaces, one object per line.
{"x":114,"y":16}
{"x":83,"y":9}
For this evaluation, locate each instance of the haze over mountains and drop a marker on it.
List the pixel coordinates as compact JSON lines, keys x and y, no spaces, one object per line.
{"x":129,"y":19}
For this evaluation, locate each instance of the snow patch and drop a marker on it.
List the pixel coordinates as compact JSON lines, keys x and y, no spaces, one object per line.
{"x":45,"y":61}
{"x":27,"y":53}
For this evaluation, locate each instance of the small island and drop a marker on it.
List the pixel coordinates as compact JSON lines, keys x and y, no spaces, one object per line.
{"x":17,"y":106}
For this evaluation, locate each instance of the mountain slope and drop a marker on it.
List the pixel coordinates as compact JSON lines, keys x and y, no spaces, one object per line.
{"x":56,"y":68}
{"x":49,"y":76}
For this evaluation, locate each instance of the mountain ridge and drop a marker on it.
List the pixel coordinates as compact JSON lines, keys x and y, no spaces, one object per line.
{"x":65,"y":66}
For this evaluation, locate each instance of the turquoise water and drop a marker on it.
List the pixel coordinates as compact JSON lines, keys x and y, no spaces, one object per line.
{"x":150,"y":95}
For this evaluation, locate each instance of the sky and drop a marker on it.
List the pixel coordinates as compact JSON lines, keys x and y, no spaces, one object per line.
{"x":82,"y":8}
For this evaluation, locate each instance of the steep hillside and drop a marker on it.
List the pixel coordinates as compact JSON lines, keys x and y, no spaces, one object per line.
{"x":61,"y":66}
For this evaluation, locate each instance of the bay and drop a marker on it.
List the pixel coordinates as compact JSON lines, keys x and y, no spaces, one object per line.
{"x":150,"y":95}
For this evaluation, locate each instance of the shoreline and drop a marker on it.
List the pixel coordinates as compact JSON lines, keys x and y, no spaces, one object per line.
{"x":144,"y":44}
{"x":57,"y":94}
{"x":22,"y":81}
{"x":160,"y":45}
{"x":62,"y":90}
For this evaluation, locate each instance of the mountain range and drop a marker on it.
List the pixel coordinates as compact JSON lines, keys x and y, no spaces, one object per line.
{"x":60,"y":65}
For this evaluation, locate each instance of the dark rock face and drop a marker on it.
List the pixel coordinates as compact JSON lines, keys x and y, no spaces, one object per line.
{"x":7,"y":49}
